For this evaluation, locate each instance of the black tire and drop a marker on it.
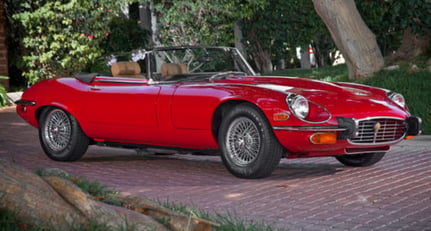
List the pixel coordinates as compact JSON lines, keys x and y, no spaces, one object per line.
{"x":61,"y":136}
{"x":248,"y":145}
{"x":361,"y":160}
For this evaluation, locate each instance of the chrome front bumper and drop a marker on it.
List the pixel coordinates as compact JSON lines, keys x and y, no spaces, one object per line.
{"x":348,"y":128}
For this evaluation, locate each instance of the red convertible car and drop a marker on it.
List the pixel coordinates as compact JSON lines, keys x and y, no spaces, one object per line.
{"x":210,"y":99}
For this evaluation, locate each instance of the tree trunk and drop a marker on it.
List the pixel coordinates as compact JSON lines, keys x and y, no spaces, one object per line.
{"x":239,"y":38}
{"x":148,"y":20}
{"x":145,"y":19}
{"x":263,"y":61}
{"x":350,"y":34}
{"x":412,"y":46}
{"x":53,"y":202}
{"x":262,"y":58}
{"x":305,"y":58}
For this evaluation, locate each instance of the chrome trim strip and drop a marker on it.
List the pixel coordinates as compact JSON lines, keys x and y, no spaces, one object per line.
{"x":244,"y":61}
{"x":121,"y":81}
{"x":380,"y":143}
{"x":381,"y":117}
{"x":366,"y":151}
{"x":309,"y":128}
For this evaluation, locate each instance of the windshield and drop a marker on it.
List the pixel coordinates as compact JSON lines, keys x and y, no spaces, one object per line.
{"x":169,"y":64}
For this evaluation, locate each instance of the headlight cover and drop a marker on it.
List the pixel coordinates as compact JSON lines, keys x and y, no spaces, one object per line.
{"x":299,"y":105}
{"x":397,"y":98}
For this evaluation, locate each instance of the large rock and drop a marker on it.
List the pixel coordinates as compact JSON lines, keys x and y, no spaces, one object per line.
{"x":54,"y":202}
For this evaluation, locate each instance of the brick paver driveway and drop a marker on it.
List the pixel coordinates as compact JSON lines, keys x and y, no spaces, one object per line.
{"x":309,"y":194}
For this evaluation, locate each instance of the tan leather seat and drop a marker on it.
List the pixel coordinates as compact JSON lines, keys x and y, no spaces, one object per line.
{"x":126,"y":69}
{"x":170,"y":69}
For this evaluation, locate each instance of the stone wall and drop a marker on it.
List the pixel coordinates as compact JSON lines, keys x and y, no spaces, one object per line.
{"x":3,"y":46}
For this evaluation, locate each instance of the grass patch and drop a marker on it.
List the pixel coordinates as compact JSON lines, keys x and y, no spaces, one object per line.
{"x":93,"y":188}
{"x":9,"y":222}
{"x":228,"y":222}
{"x":413,"y":85}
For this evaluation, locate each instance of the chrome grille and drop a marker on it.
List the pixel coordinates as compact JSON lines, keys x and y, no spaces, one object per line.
{"x":380,"y":130}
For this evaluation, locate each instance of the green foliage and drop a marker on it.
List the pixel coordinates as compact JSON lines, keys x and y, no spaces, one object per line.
{"x":9,"y":222}
{"x":389,"y":18}
{"x":279,"y":30}
{"x":3,"y":93}
{"x":3,"y":96}
{"x":375,"y":15}
{"x":231,"y":223}
{"x":206,"y":22}
{"x":125,"y":35}
{"x":61,"y":37}
{"x":415,"y":14}
{"x":93,"y":188}
{"x":228,"y":222}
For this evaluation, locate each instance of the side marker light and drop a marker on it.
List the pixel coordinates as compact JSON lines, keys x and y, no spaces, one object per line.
{"x":281,"y":116}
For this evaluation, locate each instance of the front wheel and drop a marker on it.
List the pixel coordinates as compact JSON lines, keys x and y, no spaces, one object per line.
{"x":361,"y":160}
{"x":249,"y":147}
{"x":61,"y":136}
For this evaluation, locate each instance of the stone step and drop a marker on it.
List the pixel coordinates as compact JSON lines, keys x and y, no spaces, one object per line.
{"x":12,"y":97}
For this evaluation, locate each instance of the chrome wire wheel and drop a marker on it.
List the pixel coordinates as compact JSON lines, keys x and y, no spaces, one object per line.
{"x":248,"y":146}
{"x":243,"y":141}
{"x":57,"y":130}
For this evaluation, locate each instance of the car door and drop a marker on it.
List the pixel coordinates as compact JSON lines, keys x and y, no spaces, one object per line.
{"x":122,"y":110}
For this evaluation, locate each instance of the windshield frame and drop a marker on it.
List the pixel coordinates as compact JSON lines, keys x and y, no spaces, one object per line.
{"x":154,"y":68}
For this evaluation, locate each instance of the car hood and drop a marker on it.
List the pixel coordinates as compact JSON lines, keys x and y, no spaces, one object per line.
{"x":339,"y":98}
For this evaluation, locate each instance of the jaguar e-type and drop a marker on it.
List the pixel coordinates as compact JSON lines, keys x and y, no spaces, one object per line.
{"x":209,"y":99}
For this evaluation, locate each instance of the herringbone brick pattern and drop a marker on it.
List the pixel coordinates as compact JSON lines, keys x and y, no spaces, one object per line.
{"x":305,"y":194}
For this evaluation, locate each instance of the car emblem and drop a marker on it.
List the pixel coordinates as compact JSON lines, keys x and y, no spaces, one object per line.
{"x":377,"y":126}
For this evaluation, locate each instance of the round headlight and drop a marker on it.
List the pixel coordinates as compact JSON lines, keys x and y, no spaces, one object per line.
{"x":397,"y":99}
{"x":299,"y":105}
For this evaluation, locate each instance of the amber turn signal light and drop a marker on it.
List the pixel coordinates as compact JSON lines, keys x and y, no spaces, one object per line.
{"x":408,"y":137}
{"x":324,"y":138}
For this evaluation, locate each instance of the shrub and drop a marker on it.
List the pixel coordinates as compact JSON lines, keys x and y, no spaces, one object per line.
{"x":3,"y":96}
{"x":58,"y":37}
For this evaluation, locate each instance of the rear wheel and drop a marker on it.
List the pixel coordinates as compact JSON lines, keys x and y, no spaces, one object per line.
{"x":361,"y":160}
{"x":61,"y":136}
{"x":249,"y":147}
